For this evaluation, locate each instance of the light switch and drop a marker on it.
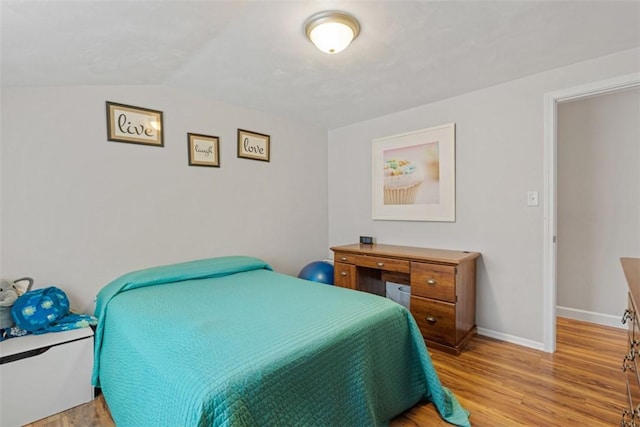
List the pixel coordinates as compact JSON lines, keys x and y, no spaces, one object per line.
{"x":532,"y":198}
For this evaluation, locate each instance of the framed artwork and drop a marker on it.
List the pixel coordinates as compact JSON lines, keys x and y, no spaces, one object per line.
{"x":253,"y":145}
{"x":136,"y":125}
{"x":414,"y":177}
{"x":204,"y":150}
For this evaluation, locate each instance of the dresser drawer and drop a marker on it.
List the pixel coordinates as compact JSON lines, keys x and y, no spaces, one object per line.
{"x":382,"y":263}
{"x":344,"y":275}
{"x":433,"y":281}
{"x":344,"y":257}
{"x":631,"y":377}
{"x":436,"y":319}
{"x":629,"y":318}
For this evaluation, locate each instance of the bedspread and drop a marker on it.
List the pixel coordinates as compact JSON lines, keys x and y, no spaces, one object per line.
{"x":229,"y":342}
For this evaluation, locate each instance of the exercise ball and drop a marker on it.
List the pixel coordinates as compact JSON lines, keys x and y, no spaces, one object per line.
{"x":318,"y":271}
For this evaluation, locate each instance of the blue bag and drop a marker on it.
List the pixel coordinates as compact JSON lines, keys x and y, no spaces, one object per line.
{"x":47,"y":310}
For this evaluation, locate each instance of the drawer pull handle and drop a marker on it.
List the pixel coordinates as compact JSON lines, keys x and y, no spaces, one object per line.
{"x":631,"y":355}
{"x":628,"y":315}
{"x":343,"y":273}
{"x":380,"y":264}
{"x":627,"y":415}
{"x":431,"y":282}
{"x":344,"y":258}
{"x":431,"y":320}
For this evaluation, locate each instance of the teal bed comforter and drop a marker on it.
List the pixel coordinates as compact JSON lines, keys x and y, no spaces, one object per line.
{"x":229,"y":342}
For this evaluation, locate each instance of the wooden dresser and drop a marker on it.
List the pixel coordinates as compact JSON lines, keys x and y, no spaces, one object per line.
{"x":443,"y":286}
{"x":631,"y":362}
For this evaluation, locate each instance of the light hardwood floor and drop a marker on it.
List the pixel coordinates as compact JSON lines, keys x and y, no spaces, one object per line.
{"x":501,"y":384}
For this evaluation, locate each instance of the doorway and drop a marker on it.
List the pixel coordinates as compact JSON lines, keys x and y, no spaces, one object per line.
{"x":598,"y":204}
{"x":551,"y":102}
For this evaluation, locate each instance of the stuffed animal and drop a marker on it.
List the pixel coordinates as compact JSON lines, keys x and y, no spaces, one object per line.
{"x":9,"y":293}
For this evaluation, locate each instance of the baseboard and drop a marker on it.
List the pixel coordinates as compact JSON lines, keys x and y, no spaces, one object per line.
{"x":569,"y":313}
{"x":511,"y":338}
{"x":590,"y":316}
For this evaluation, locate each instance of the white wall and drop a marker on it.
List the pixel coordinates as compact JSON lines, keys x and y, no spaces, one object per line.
{"x":78,"y":211}
{"x":598,"y":203}
{"x":499,"y":157}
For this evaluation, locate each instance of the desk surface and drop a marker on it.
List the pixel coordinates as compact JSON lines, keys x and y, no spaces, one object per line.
{"x":432,"y":255}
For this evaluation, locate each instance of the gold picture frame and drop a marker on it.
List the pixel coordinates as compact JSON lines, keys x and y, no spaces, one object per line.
{"x":254,"y":145}
{"x":204,"y":150}
{"x":135,"y":125}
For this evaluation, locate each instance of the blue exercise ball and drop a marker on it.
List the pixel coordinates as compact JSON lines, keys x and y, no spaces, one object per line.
{"x":318,"y":271}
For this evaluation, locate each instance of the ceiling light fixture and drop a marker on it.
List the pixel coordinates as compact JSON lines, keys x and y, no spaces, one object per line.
{"x":331,"y":31}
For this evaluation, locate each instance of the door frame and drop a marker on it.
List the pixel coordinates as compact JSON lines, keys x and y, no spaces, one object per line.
{"x":551,"y":101}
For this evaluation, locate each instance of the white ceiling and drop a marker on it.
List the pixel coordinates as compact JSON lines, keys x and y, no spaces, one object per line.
{"x":255,"y":54}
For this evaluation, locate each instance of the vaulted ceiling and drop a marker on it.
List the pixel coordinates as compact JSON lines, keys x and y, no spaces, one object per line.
{"x":255,"y":54}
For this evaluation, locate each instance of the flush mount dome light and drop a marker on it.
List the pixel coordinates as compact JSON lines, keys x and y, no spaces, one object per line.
{"x":331,"y":31}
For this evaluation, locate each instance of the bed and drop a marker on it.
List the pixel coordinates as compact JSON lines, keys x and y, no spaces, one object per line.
{"x":229,"y":342}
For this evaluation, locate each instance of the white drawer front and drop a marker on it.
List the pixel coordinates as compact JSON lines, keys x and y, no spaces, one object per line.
{"x":45,"y":384}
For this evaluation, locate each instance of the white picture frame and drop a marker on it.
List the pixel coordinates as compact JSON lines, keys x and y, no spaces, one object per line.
{"x":414,"y":176}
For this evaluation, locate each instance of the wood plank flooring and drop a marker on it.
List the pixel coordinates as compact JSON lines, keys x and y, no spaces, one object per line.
{"x":501,"y":384}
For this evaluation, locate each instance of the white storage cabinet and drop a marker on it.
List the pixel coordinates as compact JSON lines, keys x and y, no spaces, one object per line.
{"x":41,"y":375}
